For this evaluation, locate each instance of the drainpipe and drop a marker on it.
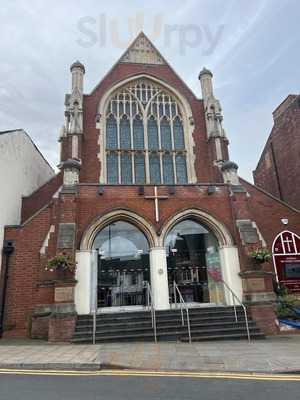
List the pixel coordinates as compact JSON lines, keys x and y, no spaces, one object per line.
{"x":8,"y":249}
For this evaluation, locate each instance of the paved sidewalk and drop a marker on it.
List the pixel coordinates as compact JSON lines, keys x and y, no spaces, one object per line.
{"x":273,"y":355}
{"x":26,"y":354}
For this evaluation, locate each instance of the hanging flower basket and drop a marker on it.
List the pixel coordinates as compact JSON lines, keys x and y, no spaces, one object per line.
{"x":61,"y":263}
{"x":260,"y":256}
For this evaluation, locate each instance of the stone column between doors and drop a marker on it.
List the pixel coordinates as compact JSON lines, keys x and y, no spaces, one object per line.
{"x":159,"y":278}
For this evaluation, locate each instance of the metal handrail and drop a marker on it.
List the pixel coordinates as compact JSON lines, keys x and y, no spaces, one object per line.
{"x":234,"y":298}
{"x":94,"y":324}
{"x":182,"y":304}
{"x":152,"y":309}
{"x":150,"y":305}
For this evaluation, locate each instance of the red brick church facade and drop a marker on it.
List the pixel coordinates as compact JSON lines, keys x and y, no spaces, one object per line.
{"x":140,"y":134}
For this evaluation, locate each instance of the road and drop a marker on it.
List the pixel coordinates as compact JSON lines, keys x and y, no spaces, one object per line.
{"x":98,"y":387}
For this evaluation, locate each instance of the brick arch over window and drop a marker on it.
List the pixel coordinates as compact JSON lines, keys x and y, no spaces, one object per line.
{"x":145,"y":134}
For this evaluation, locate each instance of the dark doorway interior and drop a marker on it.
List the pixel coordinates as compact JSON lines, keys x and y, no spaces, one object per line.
{"x":189,"y":245}
{"x":122,"y":282}
{"x":123,"y":265}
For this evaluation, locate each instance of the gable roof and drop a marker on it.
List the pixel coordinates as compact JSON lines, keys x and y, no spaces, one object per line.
{"x":143,"y":51}
{"x":259,"y":189}
{"x":284,"y":105}
{"x":11,"y":131}
{"x":279,"y":111}
{"x":22,"y":132}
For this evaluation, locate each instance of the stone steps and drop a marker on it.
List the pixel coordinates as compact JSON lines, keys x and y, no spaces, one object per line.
{"x":169,"y":328}
{"x":160,"y":315}
{"x":225,"y":336}
{"x":209,"y":323}
{"x":176,"y":335}
{"x":164,"y":324}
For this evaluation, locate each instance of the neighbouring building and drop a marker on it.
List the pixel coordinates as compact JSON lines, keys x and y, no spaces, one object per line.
{"x":146,"y":196}
{"x":278,"y":168}
{"x":23,"y":169}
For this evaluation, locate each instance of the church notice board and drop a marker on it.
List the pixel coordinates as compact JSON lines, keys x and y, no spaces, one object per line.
{"x":286,"y":257}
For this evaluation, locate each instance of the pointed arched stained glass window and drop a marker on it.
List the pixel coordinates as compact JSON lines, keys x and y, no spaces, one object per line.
{"x":144,"y":123}
{"x":154,"y":163}
{"x":152,"y":134}
{"x":111,"y":133}
{"x":125,"y":142}
{"x":126,"y":169}
{"x":178,"y":134}
{"x":168,"y":169}
{"x":181,"y":169}
{"x":165,"y":134}
{"x":138,"y":134}
{"x":112,"y":168}
{"x":139,"y":166}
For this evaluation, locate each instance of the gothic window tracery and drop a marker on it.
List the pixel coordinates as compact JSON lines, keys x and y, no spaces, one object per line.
{"x":144,"y":136}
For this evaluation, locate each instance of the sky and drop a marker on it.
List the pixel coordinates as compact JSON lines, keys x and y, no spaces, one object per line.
{"x":252,"y":48}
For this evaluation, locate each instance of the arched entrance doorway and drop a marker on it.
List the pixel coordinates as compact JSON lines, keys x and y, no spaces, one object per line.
{"x":98,"y":236}
{"x":123,"y":265}
{"x":193,"y":262}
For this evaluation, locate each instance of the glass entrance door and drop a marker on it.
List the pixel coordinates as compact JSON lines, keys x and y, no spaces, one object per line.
{"x":122,"y":282}
{"x":123,"y":265}
{"x":193,"y":262}
{"x":189,"y":271}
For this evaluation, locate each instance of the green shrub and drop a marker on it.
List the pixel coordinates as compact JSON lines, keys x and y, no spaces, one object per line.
{"x":285,"y":305}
